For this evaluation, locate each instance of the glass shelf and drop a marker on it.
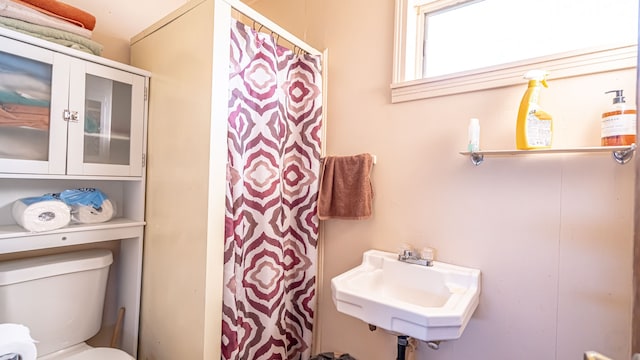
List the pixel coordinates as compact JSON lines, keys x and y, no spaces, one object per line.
{"x":621,"y":154}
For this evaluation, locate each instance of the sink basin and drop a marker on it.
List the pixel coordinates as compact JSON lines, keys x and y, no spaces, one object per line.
{"x":429,"y":303}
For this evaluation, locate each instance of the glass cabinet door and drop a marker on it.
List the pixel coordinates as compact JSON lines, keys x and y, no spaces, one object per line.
{"x":29,"y":138}
{"x":107,"y":121}
{"x":63,"y":115}
{"x":109,"y":140}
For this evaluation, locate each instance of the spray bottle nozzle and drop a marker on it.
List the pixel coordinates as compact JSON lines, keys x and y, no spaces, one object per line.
{"x":618,"y":98}
{"x":537,"y":75}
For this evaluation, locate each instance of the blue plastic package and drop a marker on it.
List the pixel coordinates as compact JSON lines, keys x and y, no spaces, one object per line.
{"x":84,"y":196}
{"x":35,"y":199}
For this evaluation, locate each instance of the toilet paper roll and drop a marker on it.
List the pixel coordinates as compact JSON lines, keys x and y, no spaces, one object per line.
{"x":88,"y":214}
{"x":37,"y":214}
{"x":15,"y":339}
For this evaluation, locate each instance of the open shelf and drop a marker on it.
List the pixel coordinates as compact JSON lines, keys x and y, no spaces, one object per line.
{"x":109,"y":136}
{"x":13,"y":238}
{"x":621,"y":154}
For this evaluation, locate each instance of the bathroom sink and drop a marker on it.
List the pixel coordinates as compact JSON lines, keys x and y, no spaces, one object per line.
{"x":429,"y":303}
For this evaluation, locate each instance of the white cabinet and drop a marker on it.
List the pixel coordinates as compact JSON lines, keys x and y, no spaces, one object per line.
{"x":74,"y":120}
{"x":64,"y":115}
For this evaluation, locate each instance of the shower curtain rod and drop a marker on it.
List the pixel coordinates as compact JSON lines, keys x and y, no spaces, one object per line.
{"x":256,"y":16}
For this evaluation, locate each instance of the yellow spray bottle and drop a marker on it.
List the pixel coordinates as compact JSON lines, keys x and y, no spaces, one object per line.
{"x":534,"y":129}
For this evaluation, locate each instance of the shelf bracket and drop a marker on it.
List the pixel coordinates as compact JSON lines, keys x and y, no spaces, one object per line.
{"x":623,"y":156}
{"x":476,"y":158}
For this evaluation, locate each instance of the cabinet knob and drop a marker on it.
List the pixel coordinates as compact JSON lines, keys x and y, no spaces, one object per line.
{"x":70,"y":116}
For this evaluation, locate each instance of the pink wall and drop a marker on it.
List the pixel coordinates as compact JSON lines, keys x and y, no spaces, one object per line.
{"x":551,"y":234}
{"x":117,"y":21}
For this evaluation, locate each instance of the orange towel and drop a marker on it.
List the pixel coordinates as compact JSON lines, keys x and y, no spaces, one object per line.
{"x":62,"y":11}
{"x":345,"y":187}
{"x":36,"y":117}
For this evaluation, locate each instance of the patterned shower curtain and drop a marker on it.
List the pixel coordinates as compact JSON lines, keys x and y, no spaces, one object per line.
{"x":274,"y":129}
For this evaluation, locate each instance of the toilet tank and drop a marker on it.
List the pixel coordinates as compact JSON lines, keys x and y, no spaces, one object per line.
{"x":59,"y":297}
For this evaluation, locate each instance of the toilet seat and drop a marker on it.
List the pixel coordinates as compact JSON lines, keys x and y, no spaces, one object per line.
{"x":101,"y":353}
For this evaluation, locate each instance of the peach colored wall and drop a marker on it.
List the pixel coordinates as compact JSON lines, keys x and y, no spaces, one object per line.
{"x":119,"y":20}
{"x":551,"y":234}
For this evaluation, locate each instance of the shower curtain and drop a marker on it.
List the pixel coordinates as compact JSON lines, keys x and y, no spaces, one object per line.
{"x":271,"y":230}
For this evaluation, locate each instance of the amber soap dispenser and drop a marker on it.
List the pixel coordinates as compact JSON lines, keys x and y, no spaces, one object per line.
{"x":618,"y":127}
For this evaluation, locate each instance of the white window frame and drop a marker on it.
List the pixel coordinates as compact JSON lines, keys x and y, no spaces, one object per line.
{"x":563,"y":65}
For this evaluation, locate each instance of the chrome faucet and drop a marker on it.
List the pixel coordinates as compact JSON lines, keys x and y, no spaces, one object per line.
{"x":411,"y":257}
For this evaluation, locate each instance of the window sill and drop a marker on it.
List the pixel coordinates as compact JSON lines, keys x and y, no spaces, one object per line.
{"x":575,"y":63}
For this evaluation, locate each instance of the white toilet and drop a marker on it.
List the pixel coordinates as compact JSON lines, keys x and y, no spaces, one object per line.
{"x":60,"y":299}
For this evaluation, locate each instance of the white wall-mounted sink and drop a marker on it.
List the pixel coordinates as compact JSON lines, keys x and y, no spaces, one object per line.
{"x":429,"y":303}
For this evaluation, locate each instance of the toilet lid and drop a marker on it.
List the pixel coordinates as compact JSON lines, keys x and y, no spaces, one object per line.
{"x":102,"y":353}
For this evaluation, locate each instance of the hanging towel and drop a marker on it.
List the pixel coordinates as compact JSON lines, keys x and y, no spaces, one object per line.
{"x":345,"y":187}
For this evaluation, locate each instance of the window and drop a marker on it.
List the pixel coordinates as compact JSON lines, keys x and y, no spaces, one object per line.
{"x":449,"y":46}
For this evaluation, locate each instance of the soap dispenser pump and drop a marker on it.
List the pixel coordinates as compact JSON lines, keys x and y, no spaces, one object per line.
{"x":618,"y":127}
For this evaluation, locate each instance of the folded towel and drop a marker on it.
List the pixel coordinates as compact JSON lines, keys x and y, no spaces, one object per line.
{"x":345,"y":187}
{"x":36,"y":117}
{"x":23,"y":12}
{"x":61,"y":37}
{"x":62,"y":11}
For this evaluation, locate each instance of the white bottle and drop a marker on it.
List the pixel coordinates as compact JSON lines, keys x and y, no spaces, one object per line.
{"x":474,"y":135}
